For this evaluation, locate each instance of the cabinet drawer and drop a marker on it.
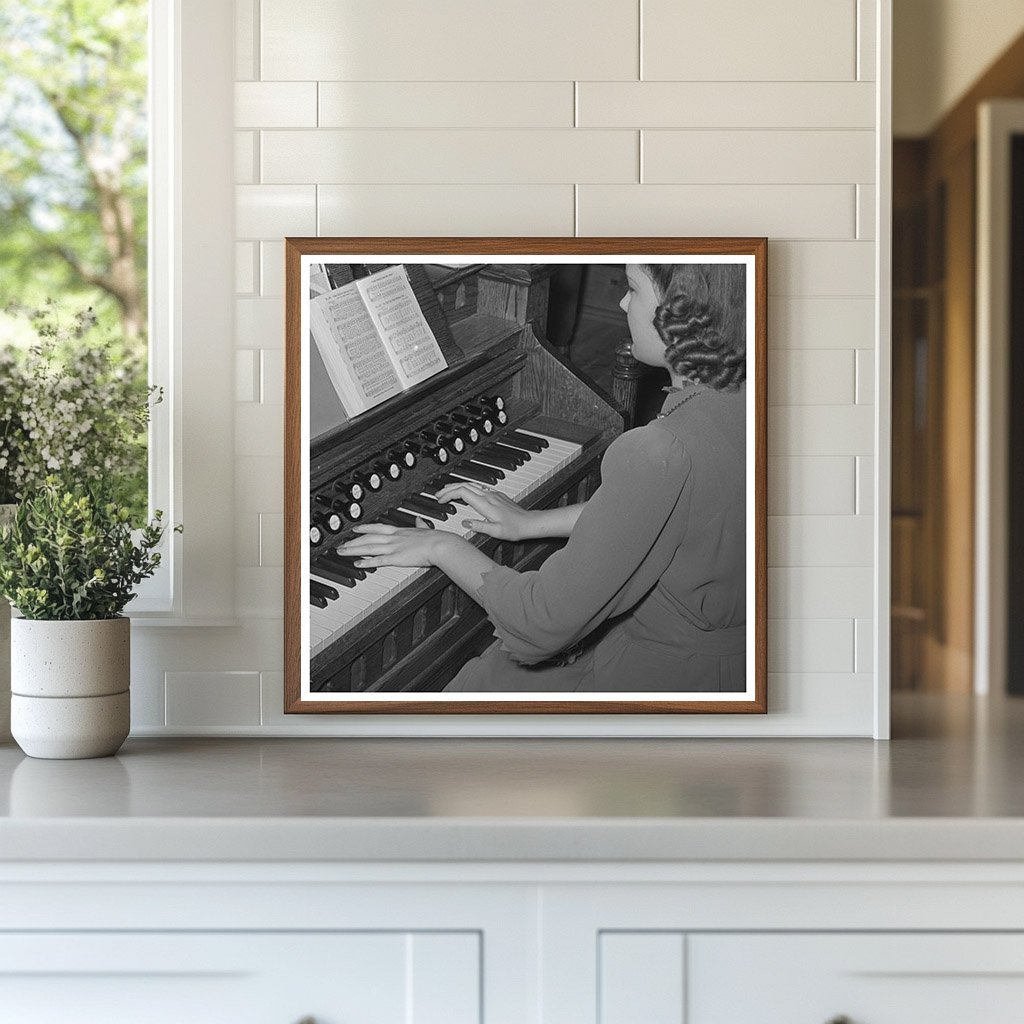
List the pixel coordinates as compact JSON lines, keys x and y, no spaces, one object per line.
{"x":866,"y":978}
{"x":241,"y":978}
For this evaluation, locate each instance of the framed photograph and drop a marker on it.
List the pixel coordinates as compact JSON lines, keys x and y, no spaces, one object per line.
{"x":525,"y":475}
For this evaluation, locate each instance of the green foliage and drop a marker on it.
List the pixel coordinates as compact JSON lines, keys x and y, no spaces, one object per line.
{"x":71,"y":554}
{"x":73,"y":155}
{"x":75,"y":407}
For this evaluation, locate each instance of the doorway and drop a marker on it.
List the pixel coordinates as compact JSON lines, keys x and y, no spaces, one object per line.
{"x":951,"y":589}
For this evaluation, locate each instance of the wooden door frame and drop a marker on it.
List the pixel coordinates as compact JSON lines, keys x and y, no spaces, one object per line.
{"x":998,"y":121}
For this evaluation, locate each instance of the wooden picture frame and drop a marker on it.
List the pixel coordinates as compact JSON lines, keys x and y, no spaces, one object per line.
{"x":485,"y":302}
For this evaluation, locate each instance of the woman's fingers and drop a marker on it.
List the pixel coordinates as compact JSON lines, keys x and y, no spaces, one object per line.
{"x":366,"y":545}
{"x":372,"y":537}
{"x":480,"y":503}
{"x":368,"y":528}
{"x":484,"y":500}
{"x":450,"y":491}
{"x":396,"y":546}
{"x":482,"y":526}
{"x":382,"y":552}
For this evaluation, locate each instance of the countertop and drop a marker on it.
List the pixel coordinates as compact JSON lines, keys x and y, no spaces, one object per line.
{"x":948,"y":787}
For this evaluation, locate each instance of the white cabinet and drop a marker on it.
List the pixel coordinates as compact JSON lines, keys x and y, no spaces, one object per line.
{"x":869,"y":979}
{"x":679,"y":978}
{"x":511,"y":943}
{"x":241,"y":978}
{"x":263,"y":944}
{"x":786,"y":943}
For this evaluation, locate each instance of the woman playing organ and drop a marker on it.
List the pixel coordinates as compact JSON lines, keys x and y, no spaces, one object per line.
{"x":649,"y":592}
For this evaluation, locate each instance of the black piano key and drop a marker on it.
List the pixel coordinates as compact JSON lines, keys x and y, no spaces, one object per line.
{"x":317,"y":599}
{"x":448,"y":507}
{"x":516,"y":446}
{"x":316,"y":587}
{"x":335,"y":575}
{"x":425,"y":506}
{"x":339,"y":576}
{"x":444,"y":480}
{"x":339,"y":563}
{"x":490,"y":457}
{"x":396,"y":517}
{"x":510,"y":451}
{"x":481,"y":474}
{"x":483,"y":467}
{"x":435,"y":483}
{"x":529,"y":441}
{"x":347,"y":563}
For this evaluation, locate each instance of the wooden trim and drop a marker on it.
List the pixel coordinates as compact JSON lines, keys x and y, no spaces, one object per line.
{"x":761,"y":477}
{"x":295,"y":248}
{"x":524,"y":707}
{"x":293,"y":456}
{"x":959,"y":128}
{"x":547,"y":245}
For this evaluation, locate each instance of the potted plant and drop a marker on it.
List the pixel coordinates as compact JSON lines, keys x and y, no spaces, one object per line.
{"x":73,"y":406}
{"x":69,"y":563}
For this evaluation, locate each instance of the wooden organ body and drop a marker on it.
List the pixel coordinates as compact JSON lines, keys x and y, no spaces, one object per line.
{"x":489,"y":321}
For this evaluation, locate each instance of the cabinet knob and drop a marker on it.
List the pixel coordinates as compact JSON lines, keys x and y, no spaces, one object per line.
{"x":841,"y":1019}
{"x":306,"y":1020}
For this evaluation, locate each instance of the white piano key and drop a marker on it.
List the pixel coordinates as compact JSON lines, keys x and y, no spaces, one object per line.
{"x":394,"y":574}
{"x":372,"y":590}
{"x":346,"y":606}
{"x":347,"y":599}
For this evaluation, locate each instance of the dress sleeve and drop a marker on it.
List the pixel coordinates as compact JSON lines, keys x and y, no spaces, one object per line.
{"x":611,"y":560}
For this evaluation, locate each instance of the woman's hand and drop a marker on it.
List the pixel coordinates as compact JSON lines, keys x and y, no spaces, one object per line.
{"x":379,"y":544}
{"x":503,"y":518}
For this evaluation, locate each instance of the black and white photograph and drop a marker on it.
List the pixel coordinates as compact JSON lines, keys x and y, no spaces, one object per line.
{"x":525,"y":477}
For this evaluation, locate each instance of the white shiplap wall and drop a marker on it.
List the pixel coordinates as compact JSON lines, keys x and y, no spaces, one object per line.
{"x":551,"y":117}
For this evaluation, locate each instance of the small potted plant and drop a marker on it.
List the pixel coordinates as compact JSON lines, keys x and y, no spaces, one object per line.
{"x":75,"y":406}
{"x":69,"y":563}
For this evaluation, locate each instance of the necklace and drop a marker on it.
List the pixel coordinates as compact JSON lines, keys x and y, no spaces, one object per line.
{"x":682,"y":401}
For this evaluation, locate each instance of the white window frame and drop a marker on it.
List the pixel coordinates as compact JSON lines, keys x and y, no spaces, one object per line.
{"x":191,"y":289}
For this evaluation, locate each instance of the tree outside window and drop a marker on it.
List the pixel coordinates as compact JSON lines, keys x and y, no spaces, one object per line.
{"x":73,"y":170}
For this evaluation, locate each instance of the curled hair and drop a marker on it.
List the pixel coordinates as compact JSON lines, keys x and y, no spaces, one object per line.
{"x":701,"y":318}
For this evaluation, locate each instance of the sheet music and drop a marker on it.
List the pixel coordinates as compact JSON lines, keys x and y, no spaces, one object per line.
{"x":393,"y":306}
{"x":347,"y":337}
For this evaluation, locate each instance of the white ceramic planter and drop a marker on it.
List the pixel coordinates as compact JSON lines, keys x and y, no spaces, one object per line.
{"x":67,"y":727}
{"x":69,"y":683}
{"x":6,"y":515}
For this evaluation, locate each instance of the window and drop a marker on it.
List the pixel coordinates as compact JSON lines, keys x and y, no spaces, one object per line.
{"x":73,"y":191}
{"x":168,"y":280}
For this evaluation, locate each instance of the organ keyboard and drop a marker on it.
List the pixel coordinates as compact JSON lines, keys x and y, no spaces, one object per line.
{"x":356,"y":593}
{"x":508,"y":411}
